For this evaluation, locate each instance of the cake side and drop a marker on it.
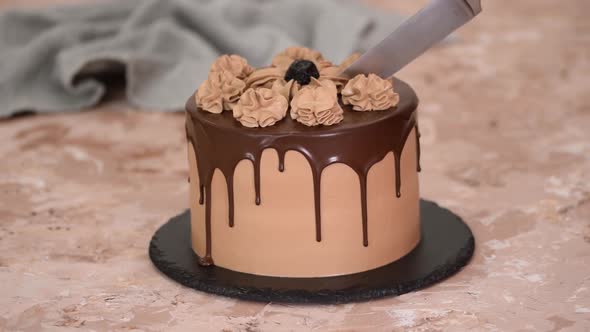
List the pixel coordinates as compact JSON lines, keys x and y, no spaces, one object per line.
{"x":299,"y":171}
{"x":278,"y":237}
{"x":321,"y":169}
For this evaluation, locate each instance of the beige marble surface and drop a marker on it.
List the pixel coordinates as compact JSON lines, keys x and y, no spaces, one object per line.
{"x":505,"y":115}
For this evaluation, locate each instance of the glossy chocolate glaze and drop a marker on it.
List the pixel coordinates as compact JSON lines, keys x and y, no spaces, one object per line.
{"x":359,"y":141}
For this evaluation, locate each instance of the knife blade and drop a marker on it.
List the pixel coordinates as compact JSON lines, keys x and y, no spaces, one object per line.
{"x":414,"y":36}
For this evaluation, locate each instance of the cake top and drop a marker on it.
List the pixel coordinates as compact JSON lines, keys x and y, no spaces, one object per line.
{"x":300,"y":81}
{"x":352,"y":120}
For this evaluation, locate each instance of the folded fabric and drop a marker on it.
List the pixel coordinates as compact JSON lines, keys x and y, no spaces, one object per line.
{"x":50,"y":57}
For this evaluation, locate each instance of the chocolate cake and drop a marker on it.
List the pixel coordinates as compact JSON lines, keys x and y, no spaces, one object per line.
{"x":297,"y":171}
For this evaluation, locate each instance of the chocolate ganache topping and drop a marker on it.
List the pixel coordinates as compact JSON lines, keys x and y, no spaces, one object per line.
{"x":360,"y":140}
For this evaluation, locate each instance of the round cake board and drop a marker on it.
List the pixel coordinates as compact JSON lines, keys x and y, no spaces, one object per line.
{"x":446,"y":246}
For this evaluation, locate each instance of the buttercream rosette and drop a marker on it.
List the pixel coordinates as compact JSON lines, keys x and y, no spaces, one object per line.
{"x":369,"y":93}
{"x":260,"y":107}
{"x":274,"y":77}
{"x":299,"y":77}
{"x":284,"y":59}
{"x":221,"y":91}
{"x":233,"y":64}
{"x":317,"y":104}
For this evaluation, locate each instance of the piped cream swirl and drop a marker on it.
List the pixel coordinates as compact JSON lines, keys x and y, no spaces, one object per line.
{"x":317,"y":104}
{"x":234,"y":64}
{"x":284,"y":59}
{"x":369,"y":93}
{"x":221,"y":91}
{"x":260,"y":107}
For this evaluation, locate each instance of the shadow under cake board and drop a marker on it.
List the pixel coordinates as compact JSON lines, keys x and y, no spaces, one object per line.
{"x":446,"y":246}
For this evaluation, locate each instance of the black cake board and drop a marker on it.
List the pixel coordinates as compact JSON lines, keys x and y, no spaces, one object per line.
{"x":446,"y":246}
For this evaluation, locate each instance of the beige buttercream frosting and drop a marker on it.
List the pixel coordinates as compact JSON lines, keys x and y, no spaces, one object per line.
{"x":221,"y":91}
{"x":260,"y":107}
{"x":317,"y":103}
{"x":234,"y":64}
{"x":284,"y":59}
{"x":286,"y":89}
{"x":313,"y":104}
{"x":273,"y":78}
{"x":334,"y":74}
{"x":264,"y":77}
{"x":369,"y":93}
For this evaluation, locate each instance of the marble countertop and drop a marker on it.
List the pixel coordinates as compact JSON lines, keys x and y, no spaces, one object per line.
{"x":505,"y":118}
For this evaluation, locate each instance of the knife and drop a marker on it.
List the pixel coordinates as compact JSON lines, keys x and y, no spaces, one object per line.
{"x":414,"y":36}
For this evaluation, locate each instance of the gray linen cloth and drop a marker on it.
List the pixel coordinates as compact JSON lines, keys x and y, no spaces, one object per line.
{"x":49,"y":57}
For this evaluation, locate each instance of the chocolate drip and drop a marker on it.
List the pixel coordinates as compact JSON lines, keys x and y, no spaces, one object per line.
{"x":361,"y":140}
{"x":230,"y":197}
{"x":256,"y":162}
{"x":398,"y":174}
{"x":201,"y":194}
{"x":418,"y":135}
{"x":397,"y":152}
{"x":207,"y":260}
{"x":363,"y":183}
{"x":317,"y":180}
{"x":281,"y":161}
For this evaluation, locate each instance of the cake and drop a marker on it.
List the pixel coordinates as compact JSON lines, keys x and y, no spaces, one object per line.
{"x":298,"y":171}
